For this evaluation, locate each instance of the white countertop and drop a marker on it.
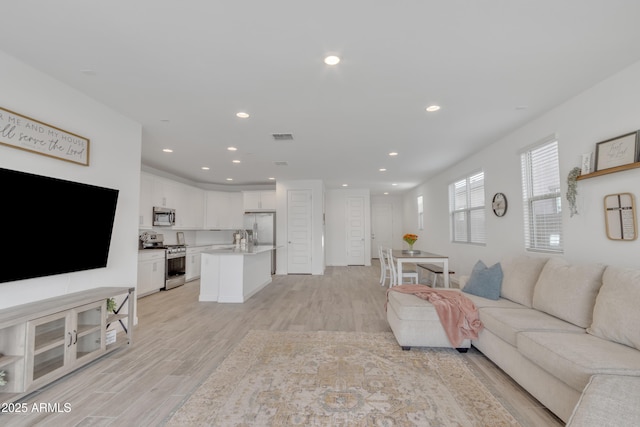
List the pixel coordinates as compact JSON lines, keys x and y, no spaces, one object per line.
{"x":236,"y":250}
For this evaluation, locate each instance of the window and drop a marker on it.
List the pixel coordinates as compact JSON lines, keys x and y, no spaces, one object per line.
{"x":542,"y":198}
{"x":466,"y":209}
{"x":420,"y":202}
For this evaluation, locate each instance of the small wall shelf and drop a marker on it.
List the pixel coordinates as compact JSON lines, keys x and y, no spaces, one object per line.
{"x":609,"y":170}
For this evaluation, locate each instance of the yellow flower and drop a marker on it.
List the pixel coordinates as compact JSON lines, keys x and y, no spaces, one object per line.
{"x":410,"y":238}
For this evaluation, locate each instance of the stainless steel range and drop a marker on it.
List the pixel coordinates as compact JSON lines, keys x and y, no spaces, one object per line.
{"x":175,"y":269}
{"x":176,"y":266}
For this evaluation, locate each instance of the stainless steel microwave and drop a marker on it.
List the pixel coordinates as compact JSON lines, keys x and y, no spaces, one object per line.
{"x":164,"y":217}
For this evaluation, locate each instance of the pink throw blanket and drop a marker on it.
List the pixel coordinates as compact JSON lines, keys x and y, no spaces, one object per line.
{"x":457,"y":313}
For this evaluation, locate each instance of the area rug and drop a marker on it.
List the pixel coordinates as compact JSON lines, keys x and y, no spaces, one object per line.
{"x":340,"y":379}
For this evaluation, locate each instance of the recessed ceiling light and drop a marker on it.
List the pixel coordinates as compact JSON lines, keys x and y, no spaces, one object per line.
{"x":432,"y":108}
{"x":205,"y":168}
{"x":232,"y":148}
{"x":229,"y":179}
{"x":382,"y":170}
{"x":386,"y":193}
{"x":272,"y":178}
{"x":394,"y":184}
{"x":167,"y":150}
{"x":345,"y":185}
{"x":242,"y":115}
{"x":236,"y":161}
{"x":393,"y":153}
{"x":331,"y":60}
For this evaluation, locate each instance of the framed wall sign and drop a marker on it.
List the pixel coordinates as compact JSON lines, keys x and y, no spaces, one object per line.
{"x":25,"y":133}
{"x":618,"y":151}
{"x":620,"y":216}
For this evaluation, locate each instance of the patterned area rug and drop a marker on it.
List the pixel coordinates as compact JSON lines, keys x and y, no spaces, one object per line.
{"x":340,"y":379}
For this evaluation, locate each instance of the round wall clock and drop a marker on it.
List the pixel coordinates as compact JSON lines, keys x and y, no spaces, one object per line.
{"x":499,"y":204}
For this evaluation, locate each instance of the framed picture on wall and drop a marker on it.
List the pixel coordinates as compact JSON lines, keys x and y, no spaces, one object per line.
{"x":618,"y":151}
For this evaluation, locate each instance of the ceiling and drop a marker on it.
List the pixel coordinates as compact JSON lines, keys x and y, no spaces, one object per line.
{"x":183,"y":69}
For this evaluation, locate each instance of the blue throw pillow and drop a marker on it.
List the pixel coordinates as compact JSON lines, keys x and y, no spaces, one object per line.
{"x":485,"y":282}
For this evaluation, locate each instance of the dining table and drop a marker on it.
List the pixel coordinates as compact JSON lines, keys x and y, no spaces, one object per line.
{"x":414,"y":257}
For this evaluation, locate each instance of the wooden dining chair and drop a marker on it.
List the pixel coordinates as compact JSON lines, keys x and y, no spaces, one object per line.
{"x":385,"y":269}
{"x":407,"y":273}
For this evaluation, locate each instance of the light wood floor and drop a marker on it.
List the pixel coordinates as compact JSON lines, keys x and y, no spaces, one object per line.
{"x":179,"y":341}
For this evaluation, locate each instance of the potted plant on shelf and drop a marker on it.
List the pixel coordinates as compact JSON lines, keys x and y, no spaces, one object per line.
{"x":111,"y":305}
{"x":3,"y":382}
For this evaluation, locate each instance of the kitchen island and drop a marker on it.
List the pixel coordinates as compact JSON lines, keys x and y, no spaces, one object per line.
{"x":231,"y":274}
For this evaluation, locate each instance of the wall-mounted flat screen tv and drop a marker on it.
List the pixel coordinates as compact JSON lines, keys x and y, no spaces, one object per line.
{"x":56,"y":226}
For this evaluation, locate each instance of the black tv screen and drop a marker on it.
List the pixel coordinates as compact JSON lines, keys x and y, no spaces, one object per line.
{"x":57,"y":226}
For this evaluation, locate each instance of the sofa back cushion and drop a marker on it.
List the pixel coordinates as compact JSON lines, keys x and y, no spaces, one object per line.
{"x":520,"y":275}
{"x":568,"y":291}
{"x":616,"y":315}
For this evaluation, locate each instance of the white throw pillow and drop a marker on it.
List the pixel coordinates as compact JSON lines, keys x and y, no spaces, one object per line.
{"x":616,"y":315}
{"x":568,"y":291}
{"x":520,"y":275}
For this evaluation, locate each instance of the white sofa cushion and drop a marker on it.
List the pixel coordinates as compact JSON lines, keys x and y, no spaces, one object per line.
{"x":608,"y":400}
{"x":616,"y":315}
{"x":481,"y":302}
{"x":410,"y":307}
{"x":568,"y":291}
{"x":520,"y":275}
{"x":507,"y":323}
{"x":574,"y":358}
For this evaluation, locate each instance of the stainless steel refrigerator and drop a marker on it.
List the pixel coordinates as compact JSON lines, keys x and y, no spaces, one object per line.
{"x":263,"y":228}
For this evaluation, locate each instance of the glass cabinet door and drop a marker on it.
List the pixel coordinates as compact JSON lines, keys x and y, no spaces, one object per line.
{"x":49,"y":338}
{"x":89,"y":329}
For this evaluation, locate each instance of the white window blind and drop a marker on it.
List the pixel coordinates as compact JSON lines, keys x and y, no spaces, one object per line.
{"x":542,"y":198}
{"x":420,"y":202}
{"x":466,"y":208}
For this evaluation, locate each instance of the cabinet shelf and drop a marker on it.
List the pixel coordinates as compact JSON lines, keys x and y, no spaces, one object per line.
{"x":6,"y":360}
{"x":609,"y":170}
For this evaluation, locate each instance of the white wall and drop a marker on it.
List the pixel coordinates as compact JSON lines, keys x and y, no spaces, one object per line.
{"x":114,"y":162}
{"x":318,"y":230}
{"x":336,"y":227}
{"x":606,"y":110}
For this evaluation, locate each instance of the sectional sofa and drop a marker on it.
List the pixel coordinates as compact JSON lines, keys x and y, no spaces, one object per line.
{"x":556,"y":325}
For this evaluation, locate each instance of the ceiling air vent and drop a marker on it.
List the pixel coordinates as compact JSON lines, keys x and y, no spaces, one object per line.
{"x":281,"y":163}
{"x":283,"y":136}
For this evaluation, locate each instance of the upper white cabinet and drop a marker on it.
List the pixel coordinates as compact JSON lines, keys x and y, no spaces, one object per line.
{"x":190,"y":209}
{"x":146,"y":201}
{"x":259,"y":200}
{"x":186,"y":200}
{"x":223,"y":210}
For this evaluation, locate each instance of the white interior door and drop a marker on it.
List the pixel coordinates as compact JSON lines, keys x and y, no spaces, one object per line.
{"x":381,"y":227}
{"x":299,"y":231}
{"x":355,"y":231}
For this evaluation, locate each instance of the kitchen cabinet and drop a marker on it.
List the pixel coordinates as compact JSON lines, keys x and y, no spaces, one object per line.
{"x":223,"y":210}
{"x":187,"y":201}
{"x":151,"y":271}
{"x":44,"y":340}
{"x":189,"y":209}
{"x":146,"y":202}
{"x":259,"y":200}
{"x":194,"y":262}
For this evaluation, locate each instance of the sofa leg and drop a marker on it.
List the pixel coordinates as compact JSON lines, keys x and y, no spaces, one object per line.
{"x":462,"y":350}
{"x":405,"y":348}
